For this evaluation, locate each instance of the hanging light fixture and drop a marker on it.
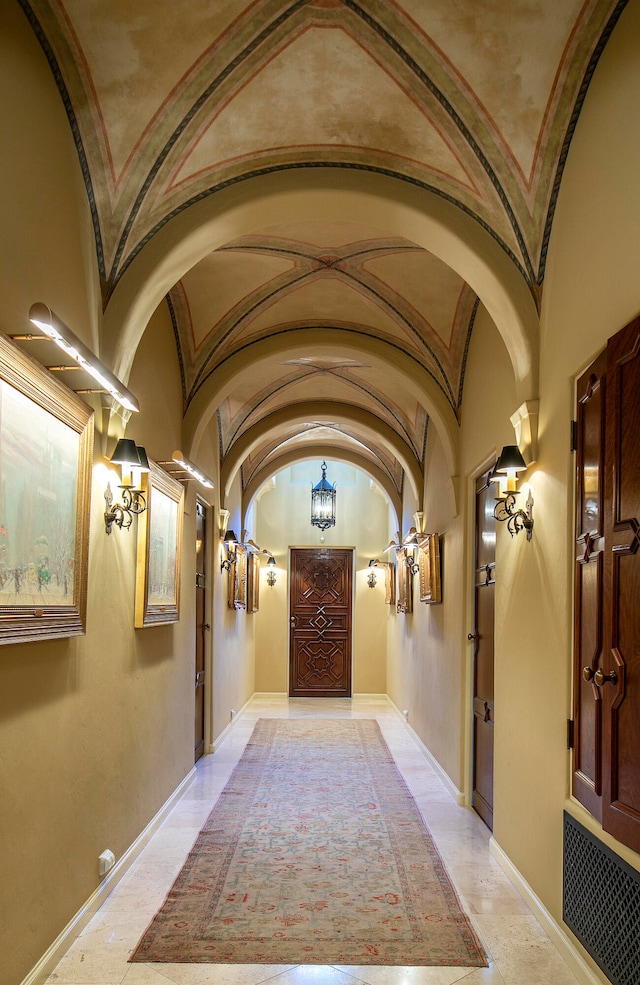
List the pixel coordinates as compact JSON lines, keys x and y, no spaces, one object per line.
{"x":323,"y":502}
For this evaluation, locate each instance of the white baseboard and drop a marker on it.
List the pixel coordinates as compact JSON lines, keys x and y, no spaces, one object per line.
{"x":41,"y":971}
{"x":559,"y":937}
{"x":457,"y":795}
{"x":219,"y":739}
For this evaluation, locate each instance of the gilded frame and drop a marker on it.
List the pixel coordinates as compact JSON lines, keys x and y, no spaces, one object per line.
{"x":430,"y":569}
{"x":405,"y":583}
{"x":237,"y":589}
{"x":159,"y":551}
{"x":46,"y":448}
{"x":253,"y":588}
{"x":389,"y":582}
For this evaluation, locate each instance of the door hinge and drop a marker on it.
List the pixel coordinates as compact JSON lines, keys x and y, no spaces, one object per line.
{"x":574,"y":435}
{"x":570,"y":733}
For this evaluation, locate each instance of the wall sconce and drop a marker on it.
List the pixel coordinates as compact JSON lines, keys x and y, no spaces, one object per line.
{"x":271,"y":571}
{"x":133,"y":461}
{"x":323,"y":502}
{"x":410,"y":545}
{"x":372,"y":580}
{"x":506,"y":475}
{"x":56,"y":330}
{"x":230,"y":541}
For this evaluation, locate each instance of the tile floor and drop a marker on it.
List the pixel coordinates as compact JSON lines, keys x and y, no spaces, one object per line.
{"x":519,"y":950}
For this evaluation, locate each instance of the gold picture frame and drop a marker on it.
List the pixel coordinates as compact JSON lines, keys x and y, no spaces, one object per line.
{"x":237,"y":590}
{"x":159,"y":551}
{"x":46,"y":447}
{"x":253,"y":588}
{"x":389,"y":582}
{"x":405,"y":583}
{"x":430,"y":569}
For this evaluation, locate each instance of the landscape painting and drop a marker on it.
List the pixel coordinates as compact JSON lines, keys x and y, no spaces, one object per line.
{"x":46,"y":437}
{"x":159,"y":551}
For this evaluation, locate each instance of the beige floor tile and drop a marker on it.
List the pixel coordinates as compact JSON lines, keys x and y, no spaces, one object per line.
{"x":520,"y":951}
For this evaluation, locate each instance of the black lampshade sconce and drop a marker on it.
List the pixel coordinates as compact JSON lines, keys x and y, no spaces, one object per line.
{"x":271,"y":571}
{"x":505,"y":474}
{"x":133,"y":462}
{"x":230,"y":541}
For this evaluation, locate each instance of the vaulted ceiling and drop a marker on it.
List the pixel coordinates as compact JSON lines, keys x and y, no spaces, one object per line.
{"x":173,"y":104}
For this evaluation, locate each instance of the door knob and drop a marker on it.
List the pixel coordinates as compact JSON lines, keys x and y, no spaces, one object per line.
{"x":472,"y":636}
{"x":601,"y":678}
{"x":292,"y":622}
{"x":587,"y":673}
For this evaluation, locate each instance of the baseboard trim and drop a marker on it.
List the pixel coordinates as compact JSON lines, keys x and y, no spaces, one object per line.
{"x":447,"y":782}
{"x":219,"y":739}
{"x":41,"y":971}
{"x":559,"y":937}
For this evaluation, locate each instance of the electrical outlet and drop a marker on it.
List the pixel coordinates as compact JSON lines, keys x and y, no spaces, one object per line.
{"x":106,"y":861}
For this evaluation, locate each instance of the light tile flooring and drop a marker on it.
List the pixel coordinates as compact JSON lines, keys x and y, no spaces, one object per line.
{"x":519,"y":950}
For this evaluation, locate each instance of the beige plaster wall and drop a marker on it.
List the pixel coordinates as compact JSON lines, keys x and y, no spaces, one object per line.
{"x":233,"y":637}
{"x":282,"y":521}
{"x":591,"y":290}
{"x":96,"y":731}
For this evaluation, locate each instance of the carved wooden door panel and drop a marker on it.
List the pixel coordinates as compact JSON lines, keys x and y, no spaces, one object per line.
{"x":618,"y":678}
{"x":483,"y":638}
{"x":320,"y":616}
{"x":589,"y":586}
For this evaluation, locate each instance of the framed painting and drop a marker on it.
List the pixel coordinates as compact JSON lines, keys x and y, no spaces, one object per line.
{"x":253,"y":587}
{"x":237,"y":597}
{"x":46,"y":446}
{"x":429,"y":569}
{"x":159,"y":551}
{"x":405,"y":583}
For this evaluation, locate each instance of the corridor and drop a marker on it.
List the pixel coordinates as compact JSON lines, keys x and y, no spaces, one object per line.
{"x":519,"y":951}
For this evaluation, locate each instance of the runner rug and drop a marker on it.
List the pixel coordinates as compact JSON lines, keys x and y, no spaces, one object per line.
{"x":315,"y":853}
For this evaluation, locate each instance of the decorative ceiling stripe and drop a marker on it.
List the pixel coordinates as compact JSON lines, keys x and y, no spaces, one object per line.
{"x":176,"y":335}
{"x":457,"y":120}
{"x":193,"y":110}
{"x":463,"y":367}
{"x":553,"y":200}
{"x":75,"y":129}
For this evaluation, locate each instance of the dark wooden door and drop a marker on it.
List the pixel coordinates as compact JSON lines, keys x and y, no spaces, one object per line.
{"x":619,"y":676}
{"x":320,"y":618}
{"x":589,"y":585}
{"x":483,"y":639}
{"x":201,"y":625}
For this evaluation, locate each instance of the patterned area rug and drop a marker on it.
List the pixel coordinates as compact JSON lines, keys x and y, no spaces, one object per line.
{"x":315,"y":853}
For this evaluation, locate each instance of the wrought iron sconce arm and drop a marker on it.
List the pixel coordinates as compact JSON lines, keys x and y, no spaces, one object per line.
{"x":133,"y":503}
{"x":516,"y":519}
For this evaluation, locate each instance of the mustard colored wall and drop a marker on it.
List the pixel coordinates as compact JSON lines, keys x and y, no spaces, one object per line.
{"x":233,"y":637}
{"x":282,"y":513}
{"x":591,"y":290}
{"x":96,"y":732}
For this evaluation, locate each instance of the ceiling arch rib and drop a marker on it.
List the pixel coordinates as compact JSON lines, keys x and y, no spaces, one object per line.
{"x":323,"y":452}
{"x":365,"y":424}
{"x":320,"y":196}
{"x":246,"y":364}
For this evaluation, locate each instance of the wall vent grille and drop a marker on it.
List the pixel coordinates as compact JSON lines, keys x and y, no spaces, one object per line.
{"x":601,"y":903}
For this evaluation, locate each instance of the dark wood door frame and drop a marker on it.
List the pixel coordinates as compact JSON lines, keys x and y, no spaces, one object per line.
{"x":321,"y":621}
{"x":482,"y":638}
